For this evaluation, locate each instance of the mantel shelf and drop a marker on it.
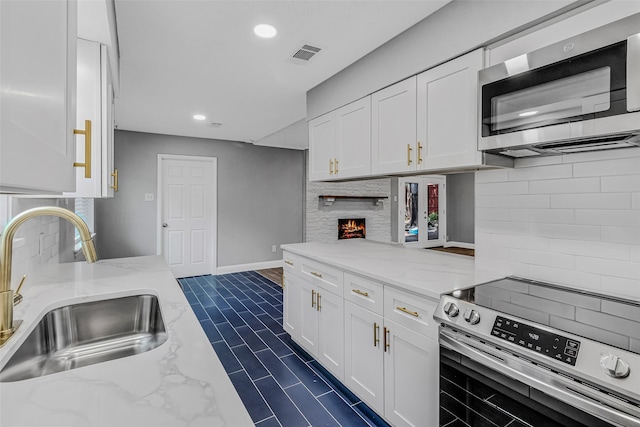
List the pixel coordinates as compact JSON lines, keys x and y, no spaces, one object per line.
{"x":329,"y":199}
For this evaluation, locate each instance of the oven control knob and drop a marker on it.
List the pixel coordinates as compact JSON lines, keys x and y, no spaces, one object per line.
{"x":451,"y":309}
{"x":614,"y":366}
{"x":472,"y":316}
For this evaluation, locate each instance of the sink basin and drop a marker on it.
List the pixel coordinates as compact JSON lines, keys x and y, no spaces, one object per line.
{"x":84,"y":334}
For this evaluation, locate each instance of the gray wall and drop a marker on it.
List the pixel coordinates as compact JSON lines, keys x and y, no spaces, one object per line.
{"x":457,"y":28}
{"x":460,"y":207}
{"x":260,"y":197}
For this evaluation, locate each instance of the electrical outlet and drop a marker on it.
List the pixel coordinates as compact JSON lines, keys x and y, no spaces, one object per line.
{"x":274,"y":248}
{"x":149,"y":197}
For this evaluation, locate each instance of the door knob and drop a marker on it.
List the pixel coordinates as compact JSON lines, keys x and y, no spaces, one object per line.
{"x":165,"y":225}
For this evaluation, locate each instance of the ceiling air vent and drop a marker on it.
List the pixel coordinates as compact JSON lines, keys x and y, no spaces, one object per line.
{"x":305,"y":54}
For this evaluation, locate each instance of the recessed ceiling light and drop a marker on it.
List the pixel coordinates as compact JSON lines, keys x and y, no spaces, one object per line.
{"x":527,"y":114}
{"x":265,"y":31}
{"x":199,"y":117}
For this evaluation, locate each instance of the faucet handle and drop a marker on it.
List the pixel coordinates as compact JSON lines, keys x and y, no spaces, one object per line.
{"x":17,"y":296}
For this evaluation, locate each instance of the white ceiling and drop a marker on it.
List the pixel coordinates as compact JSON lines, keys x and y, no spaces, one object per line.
{"x":182,"y":57}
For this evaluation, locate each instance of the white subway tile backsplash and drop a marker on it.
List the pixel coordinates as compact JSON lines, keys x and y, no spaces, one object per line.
{"x":527,"y":162}
{"x":501,"y":227}
{"x":502,"y":188}
{"x":549,"y":306}
{"x":493,"y":214}
{"x":635,"y":201}
{"x":561,"y":276}
{"x":521,"y":242}
{"x":609,"y":267}
{"x":634,"y":253}
{"x":520,"y":201}
{"x":608,"y":322}
{"x":620,"y":184}
{"x":623,"y":166}
{"x":590,"y":249}
{"x":540,"y":173}
{"x":619,"y":309}
{"x":614,"y":234}
{"x":625,"y":218}
{"x":554,"y":216}
{"x":494,"y":175}
{"x":565,"y":186}
{"x":618,"y":286}
{"x":591,"y":201}
{"x":543,"y":258}
{"x":566,"y":231}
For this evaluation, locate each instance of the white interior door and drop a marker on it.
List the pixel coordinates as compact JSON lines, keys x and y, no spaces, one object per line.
{"x":422,"y":211}
{"x":187,"y":215}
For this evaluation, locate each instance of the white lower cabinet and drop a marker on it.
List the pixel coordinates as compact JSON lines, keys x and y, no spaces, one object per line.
{"x":380,"y":341}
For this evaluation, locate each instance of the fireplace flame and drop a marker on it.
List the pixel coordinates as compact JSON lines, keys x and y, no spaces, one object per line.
{"x":351,"y":228}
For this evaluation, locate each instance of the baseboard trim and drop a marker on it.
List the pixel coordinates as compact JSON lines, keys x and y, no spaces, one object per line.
{"x":248,"y":267}
{"x":460,"y":245}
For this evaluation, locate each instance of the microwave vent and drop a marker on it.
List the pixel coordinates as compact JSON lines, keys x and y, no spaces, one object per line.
{"x":608,"y":142}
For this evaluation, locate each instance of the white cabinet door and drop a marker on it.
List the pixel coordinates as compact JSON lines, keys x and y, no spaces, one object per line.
{"x":291,"y":308}
{"x":353,"y":127}
{"x":393,"y":133}
{"x":37,"y":106}
{"x":448,"y":113}
{"x":308,"y":330}
{"x":95,"y":104}
{"x":331,"y":333}
{"x":363,"y":356}
{"x":322,"y":147}
{"x":411,"y":378}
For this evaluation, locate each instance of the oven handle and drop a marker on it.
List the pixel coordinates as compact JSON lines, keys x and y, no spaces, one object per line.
{"x":538,"y":378}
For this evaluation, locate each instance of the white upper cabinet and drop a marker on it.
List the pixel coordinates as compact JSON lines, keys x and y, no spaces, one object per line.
{"x":340,"y":142}
{"x":37,"y":107}
{"x":448,"y":114}
{"x":393,"y":133}
{"x":97,"y":178}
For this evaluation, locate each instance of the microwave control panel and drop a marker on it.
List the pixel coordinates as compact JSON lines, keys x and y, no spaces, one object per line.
{"x":544,"y":342}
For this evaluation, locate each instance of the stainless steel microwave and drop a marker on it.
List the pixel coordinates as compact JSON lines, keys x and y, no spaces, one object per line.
{"x":581,"y":94}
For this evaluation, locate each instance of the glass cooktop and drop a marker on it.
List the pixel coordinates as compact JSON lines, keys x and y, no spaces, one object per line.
{"x":609,"y":320}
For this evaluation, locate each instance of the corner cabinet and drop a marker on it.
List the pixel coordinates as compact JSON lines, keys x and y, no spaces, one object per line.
{"x":37,"y":107}
{"x":447,"y":107}
{"x":380,"y":341}
{"x":95,"y":106}
{"x":340,"y":143}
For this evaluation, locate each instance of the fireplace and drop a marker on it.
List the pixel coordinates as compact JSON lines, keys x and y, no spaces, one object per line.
{"x":352,"y":228}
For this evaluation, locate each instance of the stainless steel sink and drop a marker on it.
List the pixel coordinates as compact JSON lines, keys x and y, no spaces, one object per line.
{"x":88,"y":333}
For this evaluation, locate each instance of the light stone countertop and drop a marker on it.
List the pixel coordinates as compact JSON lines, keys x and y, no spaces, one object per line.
{"x":425,"y":272}
{"x":180,"y":383}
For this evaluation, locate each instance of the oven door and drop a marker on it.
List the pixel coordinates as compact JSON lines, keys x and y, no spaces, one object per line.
{"x":479,"y":383}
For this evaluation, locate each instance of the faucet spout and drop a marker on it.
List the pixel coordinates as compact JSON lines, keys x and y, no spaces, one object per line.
{"x":7,"y":326}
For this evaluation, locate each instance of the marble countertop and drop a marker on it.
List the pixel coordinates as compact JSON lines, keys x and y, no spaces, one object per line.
{"x":180,"y":383}
{"x":425,"y":272}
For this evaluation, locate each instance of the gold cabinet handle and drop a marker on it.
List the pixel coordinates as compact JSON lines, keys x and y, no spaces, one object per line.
{"x":319,"y":307}
{"x":376,"y":331}
{"x":359,"y":292}
{"x":316,"y":274}
{"x":87,"y":148}
{"x":313,"y":297}
{"x":409,"y":149}
{"x":336,"y":160}
{"x":386,"y":339}
{"x":115,"y":180}
{"x":330,"y":166}
{"x":419,"y":153}
{"x":404,"y":310}
{"x":288,"y":262}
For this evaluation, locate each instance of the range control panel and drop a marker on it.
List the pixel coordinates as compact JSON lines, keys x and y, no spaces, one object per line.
{"x":543,"y":342}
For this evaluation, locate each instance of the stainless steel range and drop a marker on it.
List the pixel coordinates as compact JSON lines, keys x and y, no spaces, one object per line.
{"x":573,"y":357}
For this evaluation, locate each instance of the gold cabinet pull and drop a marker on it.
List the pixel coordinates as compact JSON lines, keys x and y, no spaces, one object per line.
{"x":386,"y":339}
{"x":330,"y":166}
{"x":316,"y":274}
{"x":404,"y":310}
{"x":288,"y":262}
{"x":336,"y":160}
{"x":313,"y":297}
{"x":319,"y":307}
{"x":419,"y":153}
{"x":115,"y":180}
{"x":409,"y":149}
{"x":359,"y":292}
{"x":376,"y":331}
{"x":87,"y":148}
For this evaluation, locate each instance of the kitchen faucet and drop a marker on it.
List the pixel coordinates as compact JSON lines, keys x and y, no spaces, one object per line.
{"x":7,"y":325}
